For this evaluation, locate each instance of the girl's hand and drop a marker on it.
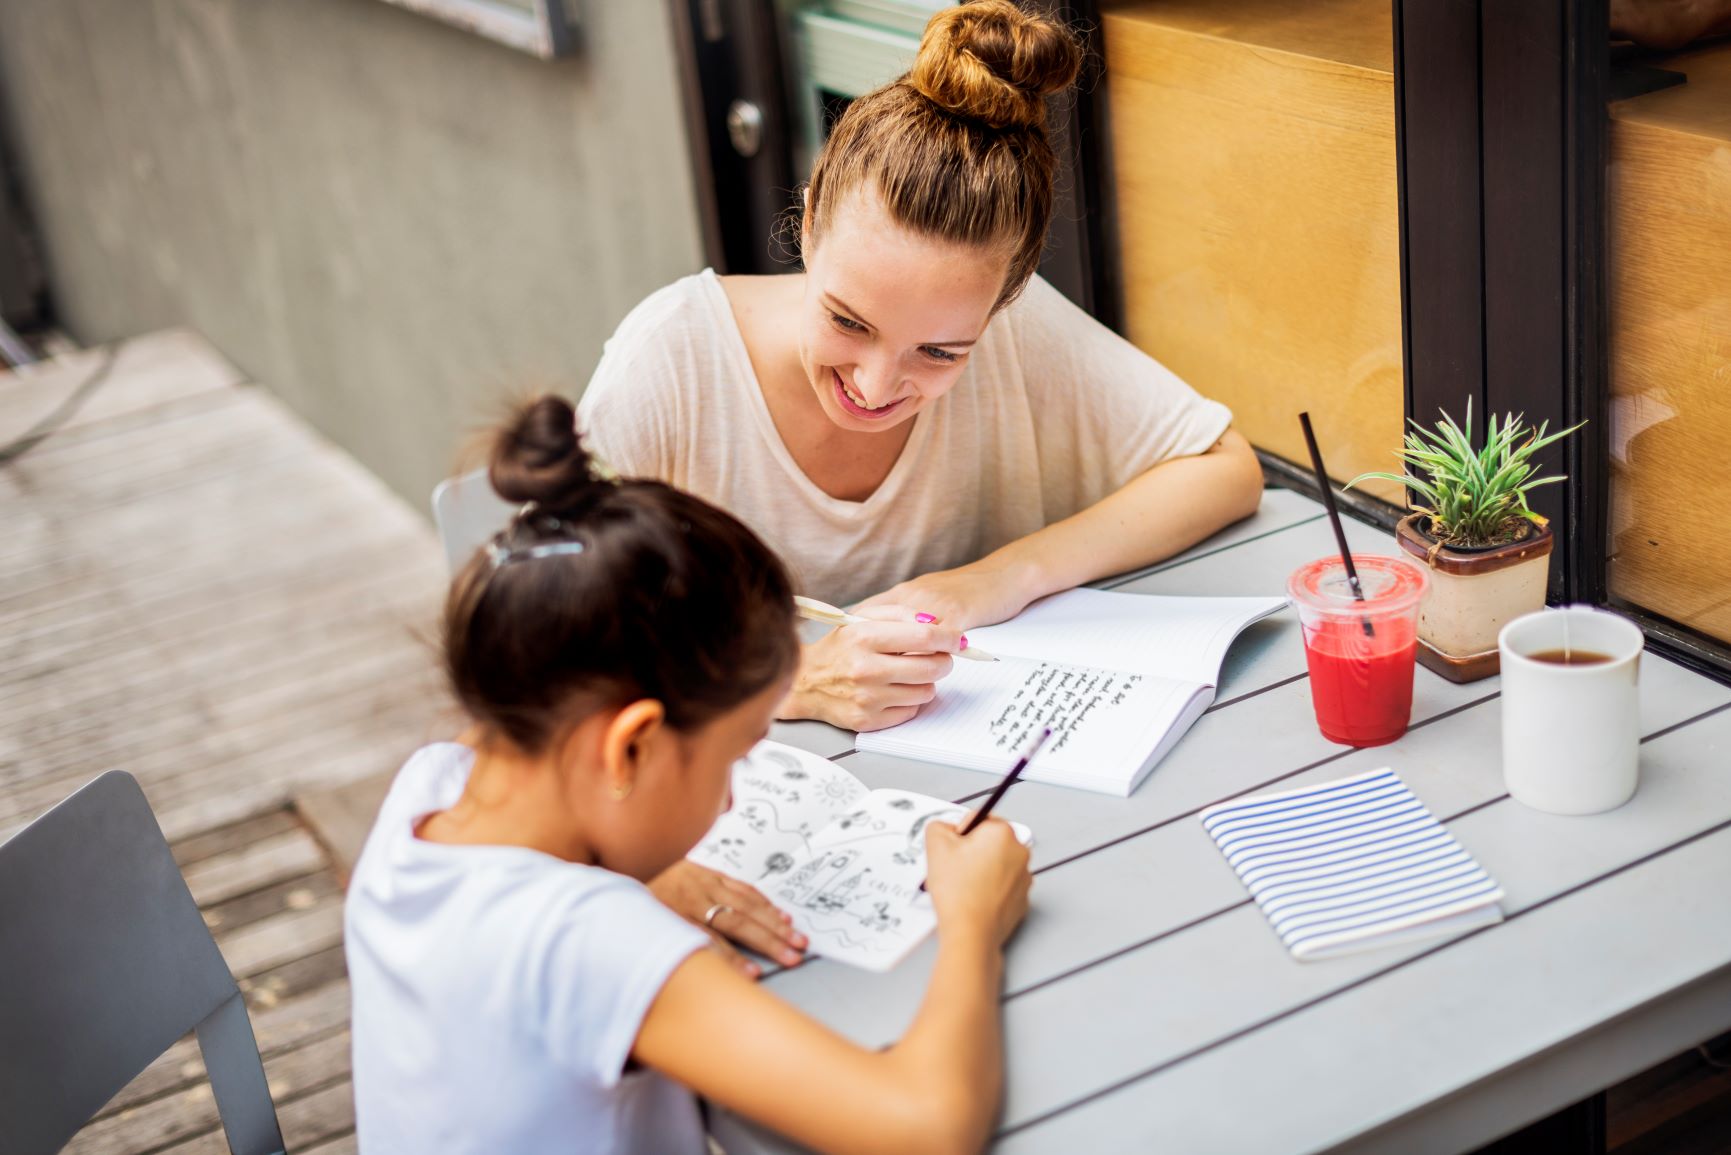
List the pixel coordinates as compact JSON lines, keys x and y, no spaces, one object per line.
{"x":751,"y":920}
{"x":979,"y":884}
{"x":980,"y":594}
{"x":872,"y":675}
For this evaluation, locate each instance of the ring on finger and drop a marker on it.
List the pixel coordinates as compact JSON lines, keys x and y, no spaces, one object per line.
{"x":709,"y":915}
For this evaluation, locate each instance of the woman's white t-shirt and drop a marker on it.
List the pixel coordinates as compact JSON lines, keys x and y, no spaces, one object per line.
{"x":1053,"y":413}
{"x":498,"y":991}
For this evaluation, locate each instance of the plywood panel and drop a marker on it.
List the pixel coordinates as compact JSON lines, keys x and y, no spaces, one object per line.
{"x":1254,"y":150}
{"x":1670,"y":301}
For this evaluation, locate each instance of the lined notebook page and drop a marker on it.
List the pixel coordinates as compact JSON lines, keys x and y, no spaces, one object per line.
{"x":1105,"y":723}
{"x":1181,"y":638}
{"x":1352,"y":864}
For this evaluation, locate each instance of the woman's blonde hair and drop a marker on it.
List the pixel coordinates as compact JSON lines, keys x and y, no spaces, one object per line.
{"x":957,"y":148}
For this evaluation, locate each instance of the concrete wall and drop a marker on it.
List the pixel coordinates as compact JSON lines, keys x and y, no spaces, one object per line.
{"x":388,"y":221}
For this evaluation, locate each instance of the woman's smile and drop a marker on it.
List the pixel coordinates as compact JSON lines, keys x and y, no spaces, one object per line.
{"x":856,"y":406}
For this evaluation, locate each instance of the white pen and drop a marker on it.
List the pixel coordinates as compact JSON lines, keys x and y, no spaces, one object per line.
{"x":824,"y":612}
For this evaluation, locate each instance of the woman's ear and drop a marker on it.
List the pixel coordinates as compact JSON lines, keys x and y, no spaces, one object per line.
{"x":628,"y":741}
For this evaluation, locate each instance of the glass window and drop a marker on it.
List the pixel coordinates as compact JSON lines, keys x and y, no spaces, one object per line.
{"x":1668,"y":216}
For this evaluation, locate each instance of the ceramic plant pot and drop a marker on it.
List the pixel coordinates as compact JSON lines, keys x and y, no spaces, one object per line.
{"x":1473,"y":594}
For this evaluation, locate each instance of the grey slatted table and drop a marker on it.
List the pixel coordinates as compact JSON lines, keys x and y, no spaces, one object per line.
{"x":1147,"y":1004}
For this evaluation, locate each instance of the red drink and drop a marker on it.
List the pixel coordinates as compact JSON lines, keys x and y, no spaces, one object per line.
{"x":1362,"y":699}
{"x":1360,"y":654}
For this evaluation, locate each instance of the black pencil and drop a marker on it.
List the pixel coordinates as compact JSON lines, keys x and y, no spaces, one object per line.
{"x":985,"y":810}
{"x":1003,"y":787}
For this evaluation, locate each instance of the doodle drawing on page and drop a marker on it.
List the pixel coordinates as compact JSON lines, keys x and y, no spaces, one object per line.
{"x":781,"y":797}
{"x":845,"y":863}
{"x":858,"y":897}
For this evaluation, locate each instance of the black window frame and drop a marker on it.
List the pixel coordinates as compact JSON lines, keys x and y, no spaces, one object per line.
{"x":1501,"y":135}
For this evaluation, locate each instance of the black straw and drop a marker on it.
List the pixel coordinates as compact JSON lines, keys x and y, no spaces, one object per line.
{"x":1333,"y":516}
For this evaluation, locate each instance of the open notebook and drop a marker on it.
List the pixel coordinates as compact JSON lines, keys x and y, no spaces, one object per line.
{"x":1352,"y":864}
{"x":845,"y":862}
{"x":1118,"y":677}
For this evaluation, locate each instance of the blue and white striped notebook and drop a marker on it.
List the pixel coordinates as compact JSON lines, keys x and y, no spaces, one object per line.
{"x":1352,"y":864}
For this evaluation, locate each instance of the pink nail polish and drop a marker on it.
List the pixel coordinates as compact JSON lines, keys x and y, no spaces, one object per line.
{"x":925,"y":619}
{"x":964,"y":644}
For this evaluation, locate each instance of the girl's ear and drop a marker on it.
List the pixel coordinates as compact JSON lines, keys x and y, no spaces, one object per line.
{"x":626,"y":743}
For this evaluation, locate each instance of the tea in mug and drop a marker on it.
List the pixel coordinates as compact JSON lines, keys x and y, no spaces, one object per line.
{"x":1571,"y":657}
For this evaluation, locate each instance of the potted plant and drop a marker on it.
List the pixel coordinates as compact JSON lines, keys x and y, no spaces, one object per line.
{"x":1488,"y":553}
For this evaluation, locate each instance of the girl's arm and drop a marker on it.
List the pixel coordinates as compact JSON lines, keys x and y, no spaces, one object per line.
{"x":1171,"y":507}
{"x":936,"y":1090}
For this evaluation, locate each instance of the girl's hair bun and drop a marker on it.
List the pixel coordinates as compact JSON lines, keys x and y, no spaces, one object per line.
{"x":537,"y":457}
{"x":607,"y":592}
{"x":990,"y":61}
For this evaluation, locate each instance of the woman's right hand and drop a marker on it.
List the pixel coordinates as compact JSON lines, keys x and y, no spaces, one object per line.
{"x":979,"y":883}
{"x":872,"y":675}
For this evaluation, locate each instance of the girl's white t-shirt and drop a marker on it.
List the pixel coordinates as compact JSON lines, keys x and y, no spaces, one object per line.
{"x":1053,"y":413}
{"x":498,"y":991}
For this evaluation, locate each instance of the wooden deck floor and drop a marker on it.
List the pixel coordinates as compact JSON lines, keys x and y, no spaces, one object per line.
{"x":197,"y":588}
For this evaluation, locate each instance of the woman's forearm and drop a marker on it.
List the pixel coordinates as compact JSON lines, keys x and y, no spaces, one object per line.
{"x":1167,"y":509}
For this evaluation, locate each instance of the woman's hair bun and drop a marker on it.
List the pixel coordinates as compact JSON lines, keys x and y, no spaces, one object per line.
{"x":990,"y":61}
{"x":538,"y":457}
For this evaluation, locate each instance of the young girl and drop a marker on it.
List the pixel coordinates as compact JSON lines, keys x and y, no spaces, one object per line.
{"x":517,"y":987}
{"x":917,"y":419}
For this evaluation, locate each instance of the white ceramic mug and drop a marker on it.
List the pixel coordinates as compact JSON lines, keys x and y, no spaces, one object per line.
{"x":1571,"y":733}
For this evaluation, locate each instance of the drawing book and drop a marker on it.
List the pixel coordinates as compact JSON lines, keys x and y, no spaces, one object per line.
{"x":845,"y":862}
{"x":1352,"y":864}
{"x":1118,"y":677}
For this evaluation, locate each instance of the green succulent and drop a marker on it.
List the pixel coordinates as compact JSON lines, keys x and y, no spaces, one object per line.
{"x":1475,"y":497}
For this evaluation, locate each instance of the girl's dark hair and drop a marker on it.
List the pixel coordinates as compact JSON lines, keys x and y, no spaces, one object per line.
{"x":670,"y":598}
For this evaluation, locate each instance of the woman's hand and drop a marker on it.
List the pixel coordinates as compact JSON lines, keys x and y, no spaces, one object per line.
{"x":749,"y":919}
{"x":979,"y":884}
{"x":872,"y":675}
{"x":979,"y":594}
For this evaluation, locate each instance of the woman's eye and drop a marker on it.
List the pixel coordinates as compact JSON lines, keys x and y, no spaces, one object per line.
{"x":938,"y":354}
{"x":846,"y":324}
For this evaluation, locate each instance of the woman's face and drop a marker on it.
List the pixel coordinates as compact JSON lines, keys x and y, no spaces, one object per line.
{"x":890,"y":317}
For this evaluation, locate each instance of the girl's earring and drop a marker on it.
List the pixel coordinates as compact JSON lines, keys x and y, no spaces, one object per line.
{"x":620,"y":793}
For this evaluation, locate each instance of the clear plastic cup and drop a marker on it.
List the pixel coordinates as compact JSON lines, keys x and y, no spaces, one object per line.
{"x":1360,"y":653}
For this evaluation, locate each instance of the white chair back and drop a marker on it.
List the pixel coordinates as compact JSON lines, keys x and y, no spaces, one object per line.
{"x":467,"y":512}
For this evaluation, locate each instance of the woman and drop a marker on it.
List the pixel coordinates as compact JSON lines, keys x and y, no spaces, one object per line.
{"x":917,"y":420}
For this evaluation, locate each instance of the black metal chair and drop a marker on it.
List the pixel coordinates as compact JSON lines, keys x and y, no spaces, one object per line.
{"x":104,"y":963}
